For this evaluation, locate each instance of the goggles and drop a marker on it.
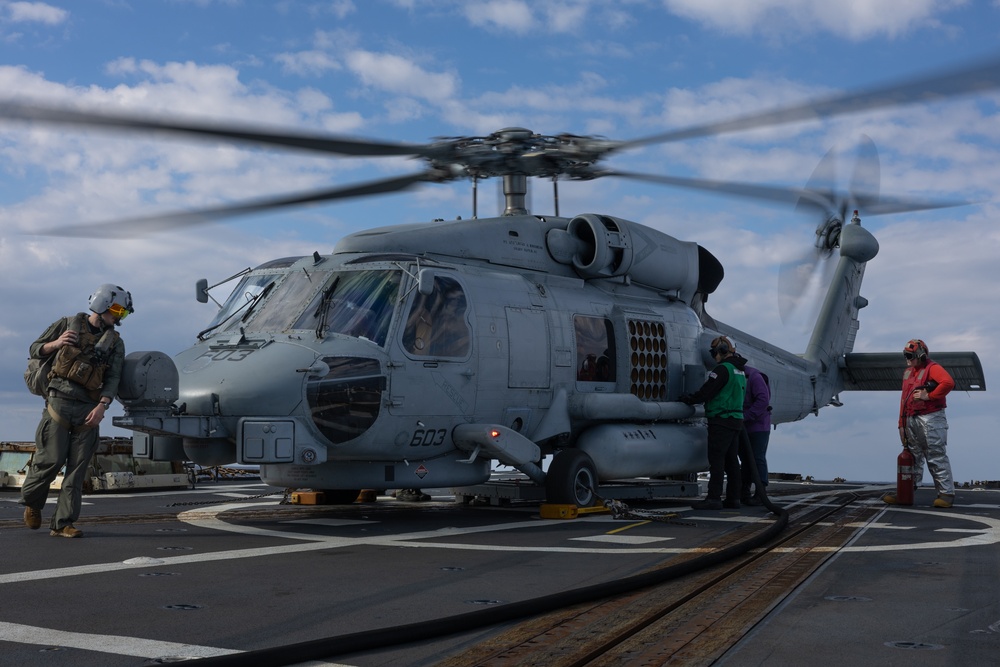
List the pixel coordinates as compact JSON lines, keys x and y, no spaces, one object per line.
{"x":118,"y":311}
{"x":909,"y":355}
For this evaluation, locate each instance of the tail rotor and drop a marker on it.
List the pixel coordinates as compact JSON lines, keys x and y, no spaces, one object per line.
{"x":808,"y":275}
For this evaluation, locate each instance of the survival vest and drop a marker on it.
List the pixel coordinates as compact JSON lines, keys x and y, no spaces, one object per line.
{"x":86,"y":362}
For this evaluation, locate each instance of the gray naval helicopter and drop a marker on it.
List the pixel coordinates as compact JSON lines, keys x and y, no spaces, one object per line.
{"x":421,"y":355}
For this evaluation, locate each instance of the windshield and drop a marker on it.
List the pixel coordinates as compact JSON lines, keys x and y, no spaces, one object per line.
{"x":354,"y":303}
{"x":236,"y":305}
{"x":285,"y":303}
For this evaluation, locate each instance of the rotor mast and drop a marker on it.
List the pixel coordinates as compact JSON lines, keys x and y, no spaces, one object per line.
{"x":515,"y":190}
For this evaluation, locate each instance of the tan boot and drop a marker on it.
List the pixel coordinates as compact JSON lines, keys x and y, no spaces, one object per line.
{"x":944,"y":501}
{"x":32,"y":518}
{"x":66,"y":531}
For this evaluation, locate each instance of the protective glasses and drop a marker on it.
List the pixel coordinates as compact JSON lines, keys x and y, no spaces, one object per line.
{"x":118,"y":311}
{"x":909,"y":355}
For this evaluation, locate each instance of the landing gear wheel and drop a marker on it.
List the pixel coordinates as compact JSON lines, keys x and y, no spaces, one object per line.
{"x":572,"y":479}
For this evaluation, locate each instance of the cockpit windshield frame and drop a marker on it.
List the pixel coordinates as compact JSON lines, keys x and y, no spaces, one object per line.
{"x":359,"y":303}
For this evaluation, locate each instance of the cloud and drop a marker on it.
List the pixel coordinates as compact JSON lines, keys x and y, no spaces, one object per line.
{"x":520,"y":17}
{"x":35,"y":12}
{"x":341,"y":8}
{"x":307,"y":62}
{"x":854,"y":19}
{"x":513,"y":15}
{"x":396,"y":74}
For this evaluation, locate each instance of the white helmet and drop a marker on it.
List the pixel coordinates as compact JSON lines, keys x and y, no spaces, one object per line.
{"x":114,"y":298}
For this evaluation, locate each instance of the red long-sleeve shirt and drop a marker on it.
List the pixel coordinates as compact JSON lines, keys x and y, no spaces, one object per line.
{"x":918,"y":376}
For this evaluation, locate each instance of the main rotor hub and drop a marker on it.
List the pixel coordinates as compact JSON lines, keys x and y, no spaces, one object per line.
{"x":516,"y":151}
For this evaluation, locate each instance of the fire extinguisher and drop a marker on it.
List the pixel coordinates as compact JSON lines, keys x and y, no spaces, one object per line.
{"x":904,"y":477}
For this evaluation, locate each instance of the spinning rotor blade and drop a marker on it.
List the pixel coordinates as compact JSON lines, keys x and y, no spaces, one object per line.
{"x":517,"y":151}
{"x":867,"y":178}
{"x":113,"y":121}
{"x":812,"y":198}
{"x":135,"y":227}
{"x":808,"y":271}
{"x":811,"y":271}
{"x":778,"y":194}
{"x":980,"y":77}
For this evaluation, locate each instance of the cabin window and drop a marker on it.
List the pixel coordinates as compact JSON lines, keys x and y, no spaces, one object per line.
{"x":437,"y":325}
{"x":354,"y":303}
{"x":595,"y":349}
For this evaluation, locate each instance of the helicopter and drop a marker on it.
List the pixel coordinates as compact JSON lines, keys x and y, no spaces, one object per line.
{"x":421,"y":355}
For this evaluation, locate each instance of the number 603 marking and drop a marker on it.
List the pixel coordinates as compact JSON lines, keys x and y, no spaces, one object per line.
{"x":428,"y":437}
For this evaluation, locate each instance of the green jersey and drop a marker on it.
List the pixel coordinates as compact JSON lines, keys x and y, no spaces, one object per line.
{"x":728,"y":403}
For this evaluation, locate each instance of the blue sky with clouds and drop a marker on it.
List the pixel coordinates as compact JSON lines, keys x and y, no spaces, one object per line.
{"x":411,"y":70}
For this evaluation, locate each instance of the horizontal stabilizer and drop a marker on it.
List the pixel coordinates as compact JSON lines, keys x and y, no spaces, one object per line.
{"x":883,"y":371}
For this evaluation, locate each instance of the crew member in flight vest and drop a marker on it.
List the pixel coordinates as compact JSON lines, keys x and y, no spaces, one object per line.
{"x":923,"y":426}
{"x":722,"y":394}
{"x":89,"y":355}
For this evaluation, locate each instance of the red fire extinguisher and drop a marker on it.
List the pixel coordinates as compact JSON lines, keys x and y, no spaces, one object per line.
{"x":904,"y":477}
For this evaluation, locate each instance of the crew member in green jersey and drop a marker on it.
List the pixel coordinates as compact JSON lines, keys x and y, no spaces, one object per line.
{"x":722,"y":395}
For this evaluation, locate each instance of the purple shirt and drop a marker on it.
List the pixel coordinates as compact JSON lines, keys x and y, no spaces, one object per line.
{"x":756,"y":402}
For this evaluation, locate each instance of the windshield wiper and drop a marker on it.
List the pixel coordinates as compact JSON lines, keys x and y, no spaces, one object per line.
{"x":324,"y":308}
{"x":248,"y":306}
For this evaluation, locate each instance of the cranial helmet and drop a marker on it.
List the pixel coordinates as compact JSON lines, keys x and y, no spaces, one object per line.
{"x":114,"y":298}
{"x":721,"y":346}
{"x":917,"y":348}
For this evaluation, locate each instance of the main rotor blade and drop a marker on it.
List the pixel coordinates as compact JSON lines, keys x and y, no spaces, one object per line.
{"x":975,"y":78}
{"x":867,"y":175}
{"x":820,"y":199}
{"x":313,"y":142}
{"x":772,"y":193}
{"x":136,"y":227}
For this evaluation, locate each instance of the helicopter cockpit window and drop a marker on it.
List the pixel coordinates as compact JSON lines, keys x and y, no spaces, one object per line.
{"x":595,"y":349}
{"x":286,"y":301}
{"x":354,"y":303}
{"x":249,"y":289}
{"x":437,"y":324}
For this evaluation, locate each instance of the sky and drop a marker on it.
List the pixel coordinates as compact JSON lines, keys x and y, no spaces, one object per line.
{"x":413,"y":70}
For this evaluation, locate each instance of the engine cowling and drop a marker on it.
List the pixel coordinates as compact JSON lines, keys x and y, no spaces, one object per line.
{"x":602,"y":246}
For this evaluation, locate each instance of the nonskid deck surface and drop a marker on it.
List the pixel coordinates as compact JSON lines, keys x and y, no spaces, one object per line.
{"x":227,"y":568}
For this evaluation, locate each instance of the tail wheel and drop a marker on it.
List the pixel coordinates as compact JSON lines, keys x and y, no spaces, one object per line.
{"x":571,"y":479}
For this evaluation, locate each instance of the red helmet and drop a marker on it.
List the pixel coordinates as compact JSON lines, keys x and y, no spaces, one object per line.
{"x":917,"y":348}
